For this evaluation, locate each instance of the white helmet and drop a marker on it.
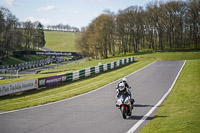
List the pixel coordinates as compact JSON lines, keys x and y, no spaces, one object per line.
{"x":121,"y":86}
{"x":124,"y":80}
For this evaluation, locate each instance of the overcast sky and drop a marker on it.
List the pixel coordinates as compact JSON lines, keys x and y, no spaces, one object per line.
{"x":78,"y":13}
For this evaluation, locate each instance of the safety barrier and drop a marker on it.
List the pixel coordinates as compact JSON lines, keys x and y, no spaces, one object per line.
{"x":11,"y":88}
{"x":26,"y":65}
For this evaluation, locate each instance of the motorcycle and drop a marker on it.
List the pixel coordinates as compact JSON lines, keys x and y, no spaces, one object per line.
{"x":125,"y":104}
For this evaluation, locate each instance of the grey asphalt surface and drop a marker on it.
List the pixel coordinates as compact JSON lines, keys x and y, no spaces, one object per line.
{"x":46,"y":49}
{"x":38,"y":69}
{"x":95,"y":112}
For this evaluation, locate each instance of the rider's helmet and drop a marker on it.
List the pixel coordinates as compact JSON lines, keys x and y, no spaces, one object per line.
{"x":121,"y":86}
{"x":124,"y":80}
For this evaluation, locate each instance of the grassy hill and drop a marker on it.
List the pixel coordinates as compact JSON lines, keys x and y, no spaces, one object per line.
{"x":60,"y":41}
{"x":55,"y":40}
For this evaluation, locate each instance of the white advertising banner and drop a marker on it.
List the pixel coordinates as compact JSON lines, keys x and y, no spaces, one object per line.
{"x":10,"y":88}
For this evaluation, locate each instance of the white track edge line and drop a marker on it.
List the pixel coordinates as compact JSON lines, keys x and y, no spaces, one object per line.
{"x":134,"y":128}
{"x":72,"y":97}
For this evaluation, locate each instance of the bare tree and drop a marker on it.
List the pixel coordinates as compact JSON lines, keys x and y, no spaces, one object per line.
{"x":28,"y":29}
{"x":9,"y":30}
{"x":194,"y":20}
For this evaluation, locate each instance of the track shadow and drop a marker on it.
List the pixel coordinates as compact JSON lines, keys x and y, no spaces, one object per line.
{"x":135,"y":117}
{"x":143,"y":105}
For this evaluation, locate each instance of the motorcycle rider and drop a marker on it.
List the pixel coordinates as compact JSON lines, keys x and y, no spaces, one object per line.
{"x":124,"y":80}
{"x":121,"y":89}
{"x":123,"y":86}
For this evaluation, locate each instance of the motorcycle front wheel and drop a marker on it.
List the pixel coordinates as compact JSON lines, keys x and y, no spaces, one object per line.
{"x":124,"y":112}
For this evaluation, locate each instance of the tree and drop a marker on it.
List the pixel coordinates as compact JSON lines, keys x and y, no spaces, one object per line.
{"x":103,"y":29}
{"x":99,"y":37}
{"x":81,"y":42}
{"x":150,"y":33}
{"x":162,"y":25}
{"x":41,"y":37}
{"x":28,"y":32}
{"x":9,"y":26}
{"x":2,"y":28}
{"x":194,"y":21}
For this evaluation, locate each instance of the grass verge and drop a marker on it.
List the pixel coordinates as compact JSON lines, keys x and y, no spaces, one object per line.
{"x":170,"y":55}
{"x":181,"y":108}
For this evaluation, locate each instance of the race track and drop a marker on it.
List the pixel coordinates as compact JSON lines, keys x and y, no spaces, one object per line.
{"x":95,"y":112}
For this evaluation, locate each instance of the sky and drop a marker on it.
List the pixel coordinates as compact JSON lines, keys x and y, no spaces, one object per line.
{"x":77,"y":13}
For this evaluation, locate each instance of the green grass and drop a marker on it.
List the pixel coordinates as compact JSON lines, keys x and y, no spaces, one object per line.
{"x":63,"y":91}
{"x":180,"y":111}
{"x":171,"y":55}
{"x":181,"y":108}
{"x":12,"y":60}
{"x":60,"y":41}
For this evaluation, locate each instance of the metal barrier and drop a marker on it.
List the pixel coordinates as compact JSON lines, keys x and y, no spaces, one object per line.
{"x":27,"y":65}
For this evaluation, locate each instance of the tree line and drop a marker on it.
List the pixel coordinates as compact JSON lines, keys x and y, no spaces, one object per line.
{"x":159,"y":26}
{"x":63,"y":27}
{"x":15,"y":35}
